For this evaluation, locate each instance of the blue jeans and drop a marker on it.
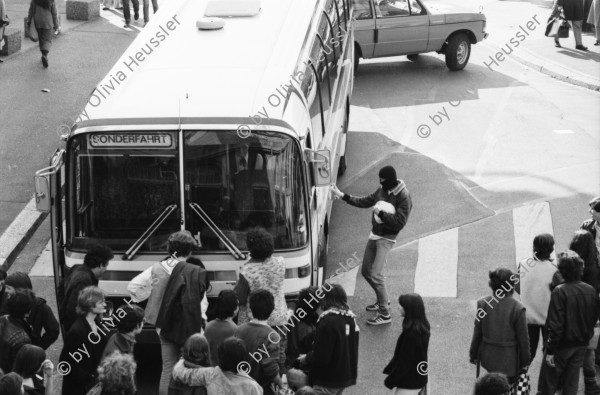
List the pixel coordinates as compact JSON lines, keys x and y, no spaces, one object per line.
{"x":373,"y":264}
{"x":568,"y":362}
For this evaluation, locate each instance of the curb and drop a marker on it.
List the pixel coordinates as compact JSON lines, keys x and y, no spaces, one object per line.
{"x":19,"y":232}
{"x":551,"y":69}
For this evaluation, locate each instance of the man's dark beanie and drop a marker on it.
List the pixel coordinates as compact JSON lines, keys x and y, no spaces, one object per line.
{"x":388,"y":173}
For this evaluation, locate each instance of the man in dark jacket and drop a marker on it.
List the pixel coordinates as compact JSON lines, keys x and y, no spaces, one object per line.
{"x":592,"y":225}
{"x":130,"y":324}
{"x":41,"y":318}
{"x":385,"y":228}
{"x":574,"y":12}
{"x":572,"y":314}
{"x":14,"y":329}
{"x":94,"y":265}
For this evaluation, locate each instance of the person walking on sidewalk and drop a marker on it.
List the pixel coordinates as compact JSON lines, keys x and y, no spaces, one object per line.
{"x":3,"y":23}
{"x":45,"y":17}
{"x":386,"y":224}
{"x":154,"y":8}
{"x":594,"y":19}
{"x":127,"y":11}
{"x":574,"y":13}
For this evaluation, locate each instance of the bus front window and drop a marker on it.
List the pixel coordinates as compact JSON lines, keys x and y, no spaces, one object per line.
{"x":242,"y":183}
{"x":121,"y":183}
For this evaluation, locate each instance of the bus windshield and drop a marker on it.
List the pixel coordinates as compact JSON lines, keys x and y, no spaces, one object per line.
{"x":123,"y":182}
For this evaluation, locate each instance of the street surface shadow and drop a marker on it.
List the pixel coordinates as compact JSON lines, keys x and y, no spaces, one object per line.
{"x":428,"y":80}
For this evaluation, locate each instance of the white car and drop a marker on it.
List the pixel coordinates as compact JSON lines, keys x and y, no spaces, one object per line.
{"x":408,"y":27}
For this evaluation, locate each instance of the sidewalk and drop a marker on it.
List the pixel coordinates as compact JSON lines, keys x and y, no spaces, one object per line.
{"x":516,"y":31}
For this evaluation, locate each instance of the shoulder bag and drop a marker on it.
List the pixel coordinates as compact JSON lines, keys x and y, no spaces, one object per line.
{"x":30,"y":31}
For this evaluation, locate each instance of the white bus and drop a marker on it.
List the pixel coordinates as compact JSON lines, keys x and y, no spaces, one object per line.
{"x":212,"y":131}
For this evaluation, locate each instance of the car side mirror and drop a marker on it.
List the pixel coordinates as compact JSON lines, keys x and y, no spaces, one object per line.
{"x":42,"y":193}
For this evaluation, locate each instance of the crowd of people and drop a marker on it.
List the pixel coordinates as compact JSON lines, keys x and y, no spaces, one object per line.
{"x":255,"y":344}
{"x":559,"y":300}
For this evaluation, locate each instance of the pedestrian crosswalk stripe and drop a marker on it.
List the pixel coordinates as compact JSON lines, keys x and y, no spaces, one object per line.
{"x":528,"y":222}
{"x":437,"y":265}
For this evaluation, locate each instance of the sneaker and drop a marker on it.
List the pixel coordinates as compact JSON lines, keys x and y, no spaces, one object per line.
{"x":581,"y":48}
{"x":380,"y":319}
{"x":375,"y":306}
{"x":45,"y":61}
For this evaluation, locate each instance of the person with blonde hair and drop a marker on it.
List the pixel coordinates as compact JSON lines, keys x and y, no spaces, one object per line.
{"x":116,"y":376}
{"x":85,"y":332}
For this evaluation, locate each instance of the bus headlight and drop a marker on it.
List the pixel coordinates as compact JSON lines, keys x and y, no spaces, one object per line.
{"x":304,"y":271}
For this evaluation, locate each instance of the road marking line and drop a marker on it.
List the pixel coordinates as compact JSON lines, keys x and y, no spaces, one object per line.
{"x":528,"y":222}
{"x":437,"y":266}
{"x":347,"y":280}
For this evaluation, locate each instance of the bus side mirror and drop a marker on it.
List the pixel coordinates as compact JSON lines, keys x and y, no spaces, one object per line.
{"x":321,"y":167}
{"x":42,"y":193}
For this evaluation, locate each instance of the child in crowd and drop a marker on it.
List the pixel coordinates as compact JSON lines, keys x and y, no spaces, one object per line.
{"x":127,"y":328}
{"x":31,"y":360}
{"x":302,"y":335}
{"x":258,"y":335}
{"x":41,"y":318}
{"x":223,"y":326}
{"x":228,"y":377}
{"x":195,"y":355}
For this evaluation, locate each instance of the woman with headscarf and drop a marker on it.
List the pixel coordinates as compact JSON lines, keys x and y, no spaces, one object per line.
{"x":44,"y":15}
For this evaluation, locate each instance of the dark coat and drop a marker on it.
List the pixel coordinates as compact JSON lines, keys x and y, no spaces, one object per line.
{"x":590,"y":226}
{"x":41,"y":318}
{"x":83,"y":367}
{"x":391,"y":224}
{"x":42,"y":17}
{"x":500,"y":338}
{"x":180,"y":316}
{"x":334,"y":358}
{"x":80,"y":277}
{"x":14,"y":334}
{"x":573,"y":9}
{"x":410,"y":358}
{"x":572,"y":314}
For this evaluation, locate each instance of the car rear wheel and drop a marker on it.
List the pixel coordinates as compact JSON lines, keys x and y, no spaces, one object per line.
{"x":413,"y":57}
{"x":458,"y":52}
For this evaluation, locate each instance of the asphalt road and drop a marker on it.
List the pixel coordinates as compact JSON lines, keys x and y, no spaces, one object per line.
{"x":511,"y":140}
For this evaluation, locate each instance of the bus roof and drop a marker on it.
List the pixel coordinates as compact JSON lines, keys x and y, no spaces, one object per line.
{"x":173,"y":69}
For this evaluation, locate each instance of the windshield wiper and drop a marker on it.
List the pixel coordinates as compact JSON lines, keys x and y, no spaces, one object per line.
{"x":146,"y":235}
{"x":224,"y":239}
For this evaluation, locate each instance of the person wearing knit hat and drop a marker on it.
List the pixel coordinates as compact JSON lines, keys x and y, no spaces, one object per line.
{"x":41,"y":318}
{"x":391,"y":205}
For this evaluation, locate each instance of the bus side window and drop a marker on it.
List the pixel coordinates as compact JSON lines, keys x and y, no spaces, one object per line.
{"x":333,"y":42}
{"x":341,"y":20}
{"x":316,"y":107}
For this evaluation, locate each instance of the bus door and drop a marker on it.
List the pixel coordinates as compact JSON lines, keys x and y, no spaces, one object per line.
{"x":48,"y":198}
